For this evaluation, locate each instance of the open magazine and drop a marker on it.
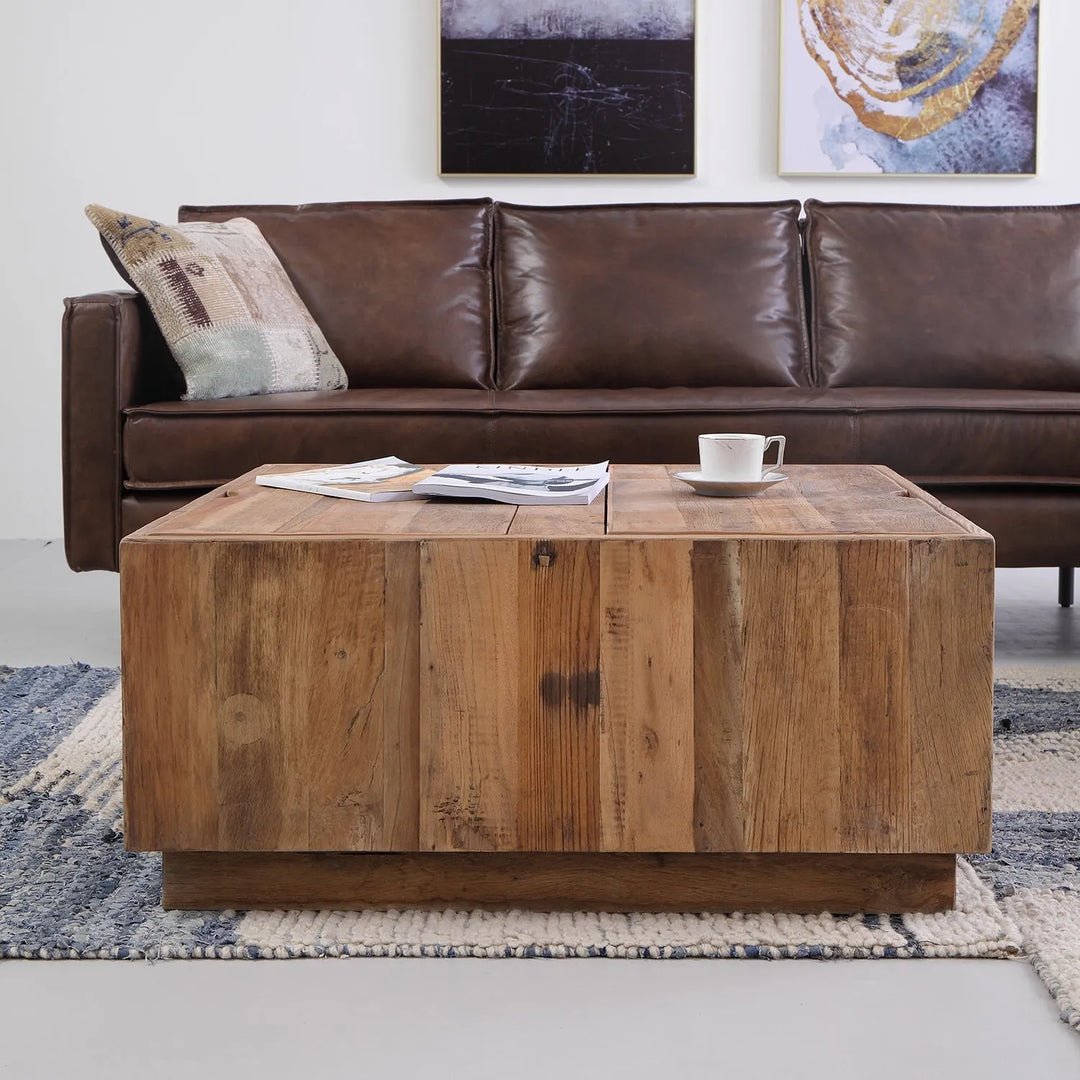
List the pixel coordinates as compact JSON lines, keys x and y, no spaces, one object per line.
{"x":520,"y":484}
{"x":386,"y":479}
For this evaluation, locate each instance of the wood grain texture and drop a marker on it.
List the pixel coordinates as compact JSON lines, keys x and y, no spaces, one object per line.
{"x":558,"y":730}
{"x":873,"y":700}
{"x":170,"y":741}
{"x":821,"y":500}
{"x":400,"y":689}
{"x":469,"y":695}
{"x":952,"y":688}
{"x":719,"y":709}
{"x":647,"y":691}
{"x":510,"y":693}
{"x":843,"y":692}
{"x":243,"y":509}
{"x":791,"y":732}
{"x":564,"y":522}
{"x":561,"y":881}
{"x":300,"y":695}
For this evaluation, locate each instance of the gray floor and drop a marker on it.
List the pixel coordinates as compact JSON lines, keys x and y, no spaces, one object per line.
{"x":479,"y":1019}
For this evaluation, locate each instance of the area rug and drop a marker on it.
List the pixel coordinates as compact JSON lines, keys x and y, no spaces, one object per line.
{"x":68,"y":889}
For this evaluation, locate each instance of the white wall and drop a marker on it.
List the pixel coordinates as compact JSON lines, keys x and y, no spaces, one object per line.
{"x":144,"y":105}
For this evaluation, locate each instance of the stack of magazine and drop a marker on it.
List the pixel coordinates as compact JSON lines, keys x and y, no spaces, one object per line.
{"x":389,"y":479}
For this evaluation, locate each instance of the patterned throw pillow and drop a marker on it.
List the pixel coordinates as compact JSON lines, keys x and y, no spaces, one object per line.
{"x":225,"y":305}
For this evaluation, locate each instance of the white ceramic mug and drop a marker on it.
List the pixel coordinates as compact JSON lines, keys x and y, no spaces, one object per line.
{"x":739,"y":458}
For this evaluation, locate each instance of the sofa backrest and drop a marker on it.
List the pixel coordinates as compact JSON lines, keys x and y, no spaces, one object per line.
{"x":677,"y":294}
{"x":908,"y":295}
{"x":402,"y":290}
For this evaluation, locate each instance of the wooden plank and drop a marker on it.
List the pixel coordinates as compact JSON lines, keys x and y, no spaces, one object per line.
{"x":560,"y":521}
{"x":817,"y":500}
{"x":400,"y":689}
{"x":170,"y":735}
{"x":561,"y":881}
{"x":435,"y":518}
{"x":951,"y":679}
{"x":874,"y":702}
{"x":645,"y":499}
{"x":916,"y":492}
{"x":791,"y":737}
{"x":270,"y":695}
{"x":469,"y":695}
{"x":237,"y":508}
{"x":558,"y":731}
{"x":334,"y":725}
{"x":298,"y":638}
{"x":243,"y":509}
{"x":719,"y":711}
{"x":647,"y":690}
{"x":261,"y":803}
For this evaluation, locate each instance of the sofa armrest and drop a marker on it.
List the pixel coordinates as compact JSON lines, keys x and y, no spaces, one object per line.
{"x":113,"y":358}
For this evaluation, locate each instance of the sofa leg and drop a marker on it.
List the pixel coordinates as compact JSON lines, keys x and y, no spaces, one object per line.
{"x":1065,"y":586}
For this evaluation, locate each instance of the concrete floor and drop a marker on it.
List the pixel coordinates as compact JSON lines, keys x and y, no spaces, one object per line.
{"x":480,"y":1019}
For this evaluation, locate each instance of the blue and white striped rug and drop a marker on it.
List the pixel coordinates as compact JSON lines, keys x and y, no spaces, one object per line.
{"x":68,"y":889}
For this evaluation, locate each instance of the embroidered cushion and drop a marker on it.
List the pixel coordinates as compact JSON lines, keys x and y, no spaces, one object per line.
{"x":225,"y":305}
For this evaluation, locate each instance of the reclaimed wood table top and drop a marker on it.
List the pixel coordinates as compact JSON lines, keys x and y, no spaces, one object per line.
{"x":641,"y":500}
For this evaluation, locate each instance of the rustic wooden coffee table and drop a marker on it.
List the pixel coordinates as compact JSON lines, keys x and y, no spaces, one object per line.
{"x":659,"y":701}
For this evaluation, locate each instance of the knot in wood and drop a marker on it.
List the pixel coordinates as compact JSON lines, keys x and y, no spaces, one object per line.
{"x":544,"y":554}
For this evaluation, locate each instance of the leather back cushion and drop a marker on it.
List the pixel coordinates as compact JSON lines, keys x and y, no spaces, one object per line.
{"x":945,"y":295}
{"x":662,"y":295}
{"x":402,"y":290}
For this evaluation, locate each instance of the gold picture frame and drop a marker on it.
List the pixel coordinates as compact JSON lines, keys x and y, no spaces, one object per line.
{"x":950,"y":107}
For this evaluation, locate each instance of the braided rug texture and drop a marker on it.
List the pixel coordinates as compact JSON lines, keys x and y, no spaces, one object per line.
{"x":68,"y":889}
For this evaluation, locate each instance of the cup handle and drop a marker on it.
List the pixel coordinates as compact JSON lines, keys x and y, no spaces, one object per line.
{"x":781,"y":442}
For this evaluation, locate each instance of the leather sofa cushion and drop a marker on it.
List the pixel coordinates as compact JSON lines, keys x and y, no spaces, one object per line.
{"x":984,"y":436}
{"x":202,"y":444}
{"x":972,"y":436}
{"x":969,"y":296}
{"x":662,"y":425}
{"x":1006,"y":512}
{"x":402,"y":290}
{"x":662,"y":295}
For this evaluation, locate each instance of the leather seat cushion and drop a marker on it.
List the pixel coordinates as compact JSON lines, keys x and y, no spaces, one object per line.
{"x":203,"y":444}
{"x":975,"y":436}
{"x":972,"y":437}
{"x":1008,"y":512}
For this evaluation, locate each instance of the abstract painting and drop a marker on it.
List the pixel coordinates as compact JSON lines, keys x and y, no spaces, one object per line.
{"x":567,"y":87}
{"x":913,"y":87}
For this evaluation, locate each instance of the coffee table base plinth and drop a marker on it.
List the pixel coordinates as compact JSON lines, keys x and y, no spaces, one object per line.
{"x":801,"y":883}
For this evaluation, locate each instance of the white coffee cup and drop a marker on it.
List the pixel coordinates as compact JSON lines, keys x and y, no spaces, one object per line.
{"x":738,"y":458}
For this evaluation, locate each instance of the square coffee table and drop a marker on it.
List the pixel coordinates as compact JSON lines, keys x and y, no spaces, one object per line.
{"x":659,"y":701}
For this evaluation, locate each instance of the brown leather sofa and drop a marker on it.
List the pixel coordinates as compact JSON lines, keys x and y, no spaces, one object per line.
{"x":941,"y":341}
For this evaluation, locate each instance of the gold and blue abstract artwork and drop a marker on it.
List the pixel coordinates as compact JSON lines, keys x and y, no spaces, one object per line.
{"x":909,"y":87}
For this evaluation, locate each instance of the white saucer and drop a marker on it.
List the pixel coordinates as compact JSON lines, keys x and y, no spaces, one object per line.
{"x":728,"y":488}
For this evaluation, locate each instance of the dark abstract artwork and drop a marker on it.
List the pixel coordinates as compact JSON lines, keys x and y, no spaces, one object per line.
{"x":567,"y":87}
{"x":922,"y":87}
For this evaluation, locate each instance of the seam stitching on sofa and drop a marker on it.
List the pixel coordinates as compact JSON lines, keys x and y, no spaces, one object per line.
{"x":800,"y":302}
{"x":493,"y":320}
{"x":813,"y":328}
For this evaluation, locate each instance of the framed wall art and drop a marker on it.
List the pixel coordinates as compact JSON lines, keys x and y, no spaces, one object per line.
{"x":909,"y":87}
{"x":566,"y":87}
